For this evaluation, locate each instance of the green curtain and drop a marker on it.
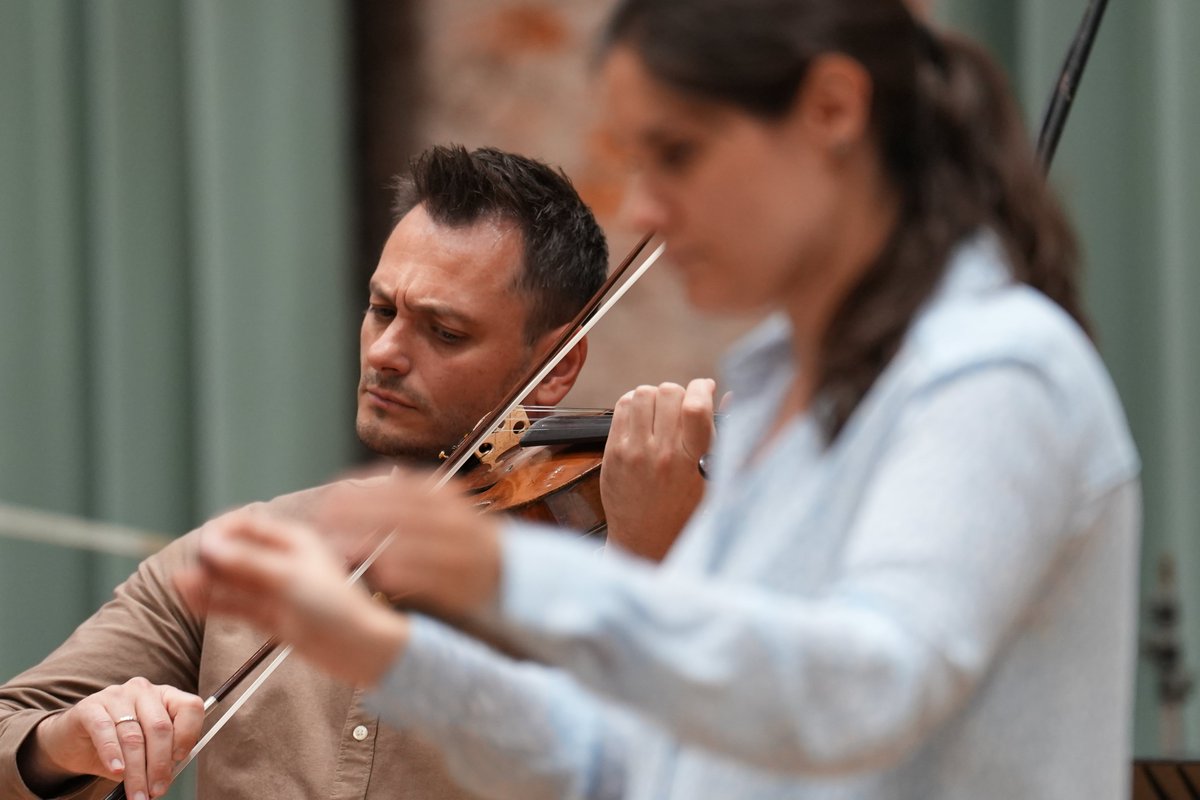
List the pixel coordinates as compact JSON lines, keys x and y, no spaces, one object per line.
{"x":175,"y":299}
{"x":1128,"y":168}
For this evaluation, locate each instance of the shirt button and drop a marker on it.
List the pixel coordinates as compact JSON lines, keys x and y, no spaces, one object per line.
{"x":360,"y":733}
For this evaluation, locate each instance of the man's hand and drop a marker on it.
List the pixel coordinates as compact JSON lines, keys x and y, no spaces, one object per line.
{"x":134,"y":733}
{"x":650,"y":482}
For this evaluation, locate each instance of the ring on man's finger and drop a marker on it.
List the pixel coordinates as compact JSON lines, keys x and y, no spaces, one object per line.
{"x":126,"y":718}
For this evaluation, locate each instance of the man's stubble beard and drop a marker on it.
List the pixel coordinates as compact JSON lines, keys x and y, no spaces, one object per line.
{"x":371,"y":432}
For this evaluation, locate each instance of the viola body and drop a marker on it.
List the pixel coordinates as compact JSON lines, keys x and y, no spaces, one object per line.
{"x":555,"y":484}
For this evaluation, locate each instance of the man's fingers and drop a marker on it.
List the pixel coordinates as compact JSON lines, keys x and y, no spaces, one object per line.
{"x":158,"y":735}
{"x":125,"y":733}
{"x":696,"y":416}
{"x":633,"y":416}
{"x":667,"y":401}
{"x":133,"y":749}
{"x":666,"y":413}
{"x":98,"y":723}
{"x":187,"y":712}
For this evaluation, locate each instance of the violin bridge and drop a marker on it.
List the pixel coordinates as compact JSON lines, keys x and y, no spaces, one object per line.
{"x":507,"y":436}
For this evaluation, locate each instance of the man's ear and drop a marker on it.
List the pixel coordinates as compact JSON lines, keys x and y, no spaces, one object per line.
{"x":554,"y":387}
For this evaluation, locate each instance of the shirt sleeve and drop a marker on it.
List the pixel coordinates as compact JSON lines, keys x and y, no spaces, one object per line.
{"x":960,"y":525}
{"x":507,"y":729}
{"x":143,"y":631}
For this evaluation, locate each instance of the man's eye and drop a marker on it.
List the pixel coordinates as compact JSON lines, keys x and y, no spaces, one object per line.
{"x":448,"y":337}
{"x":380,"y":312}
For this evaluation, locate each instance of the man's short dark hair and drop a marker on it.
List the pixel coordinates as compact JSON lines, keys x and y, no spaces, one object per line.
{"x":566,"y":255}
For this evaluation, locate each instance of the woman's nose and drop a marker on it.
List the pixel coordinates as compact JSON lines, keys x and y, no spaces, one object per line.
{"x":644,"y":208}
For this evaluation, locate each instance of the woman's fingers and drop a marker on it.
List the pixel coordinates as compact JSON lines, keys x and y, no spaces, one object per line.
{"x":283,"y":577}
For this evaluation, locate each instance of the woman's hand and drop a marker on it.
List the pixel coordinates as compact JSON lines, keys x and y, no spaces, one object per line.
{"x":284,"y":579}
{"x":650,"y":482}
{"x":444,"y":554}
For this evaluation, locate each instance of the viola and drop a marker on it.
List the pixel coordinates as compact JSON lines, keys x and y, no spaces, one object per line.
{"x":549,"y":471}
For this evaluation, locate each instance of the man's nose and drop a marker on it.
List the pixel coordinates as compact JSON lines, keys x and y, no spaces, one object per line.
{"x":391,"y":351}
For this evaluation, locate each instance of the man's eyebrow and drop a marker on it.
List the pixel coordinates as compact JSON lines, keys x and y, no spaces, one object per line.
{"x":439,"y":309}
{"x":428,"y":306}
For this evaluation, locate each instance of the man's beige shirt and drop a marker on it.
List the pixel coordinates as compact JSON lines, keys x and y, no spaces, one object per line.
{"x":303,"y":735}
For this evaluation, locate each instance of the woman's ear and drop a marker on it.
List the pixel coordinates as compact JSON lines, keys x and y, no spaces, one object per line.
{"x":833,"y":105}
{"x":554,"y":387}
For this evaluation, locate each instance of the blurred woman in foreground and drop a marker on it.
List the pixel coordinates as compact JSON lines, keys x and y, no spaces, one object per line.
{"x":914,"y":572}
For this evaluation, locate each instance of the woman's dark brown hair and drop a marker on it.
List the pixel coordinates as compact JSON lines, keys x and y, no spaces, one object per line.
{"x":950,"y":136}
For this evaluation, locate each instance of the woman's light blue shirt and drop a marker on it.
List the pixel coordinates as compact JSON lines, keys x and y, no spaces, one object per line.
{"x":939,"y":605}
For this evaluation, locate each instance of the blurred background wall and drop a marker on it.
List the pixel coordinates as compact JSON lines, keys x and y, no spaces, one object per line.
{"x":192,"y":193}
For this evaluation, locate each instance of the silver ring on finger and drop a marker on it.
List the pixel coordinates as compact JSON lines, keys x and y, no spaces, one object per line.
{"x":126,"y":718}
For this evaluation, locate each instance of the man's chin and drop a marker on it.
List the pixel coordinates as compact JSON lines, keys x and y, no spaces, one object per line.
{"x":394,"y":444}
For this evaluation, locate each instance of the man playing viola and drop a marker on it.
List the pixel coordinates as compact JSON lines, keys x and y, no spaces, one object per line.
{"x":492,"y":256}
